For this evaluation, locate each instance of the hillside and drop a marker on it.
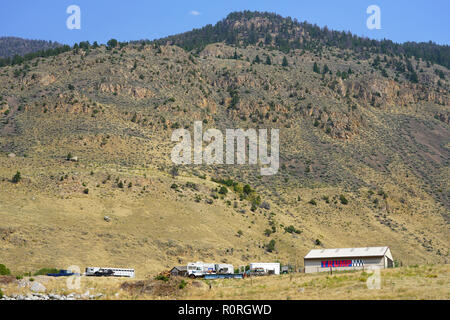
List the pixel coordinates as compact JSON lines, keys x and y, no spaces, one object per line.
{"x":364,"y":149}
{"x":11,"y":46}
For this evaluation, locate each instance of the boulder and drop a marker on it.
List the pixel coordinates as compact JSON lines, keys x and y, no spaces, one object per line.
{"x":37,"y":287}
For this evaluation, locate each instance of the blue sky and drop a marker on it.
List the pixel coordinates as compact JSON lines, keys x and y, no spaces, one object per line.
{"x":401,"y":20}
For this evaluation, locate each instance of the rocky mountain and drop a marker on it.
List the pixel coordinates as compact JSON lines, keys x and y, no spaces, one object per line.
{"x":277,"y":32}
{"x":364,"y":148}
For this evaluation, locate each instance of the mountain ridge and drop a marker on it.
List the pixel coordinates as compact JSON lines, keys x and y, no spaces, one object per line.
{"x":249,"y":27}
{"x":11,"y":46}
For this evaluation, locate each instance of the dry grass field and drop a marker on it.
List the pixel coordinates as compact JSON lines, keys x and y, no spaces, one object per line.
{"x":414,"y":282}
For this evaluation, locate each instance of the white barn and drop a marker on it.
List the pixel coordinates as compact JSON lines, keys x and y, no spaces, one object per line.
{"x":320,"y":260}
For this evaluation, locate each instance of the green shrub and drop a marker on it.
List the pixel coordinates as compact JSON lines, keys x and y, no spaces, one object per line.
{"x":291,"y":229}
{"x":4,"y":271}
{"x":343,"y":199}
{"x":271,"y":246}
{"x":223,"y":190}
{"x":44,"y":271}
{"x":162,"y":278}
{"x":17,"y":177}
{"x":182,"y":284}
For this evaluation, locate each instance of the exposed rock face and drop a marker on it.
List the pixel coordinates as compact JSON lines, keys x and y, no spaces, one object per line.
{"x":135,"y":92}
{"x":385,"y":93}
{"x":47,"y":79}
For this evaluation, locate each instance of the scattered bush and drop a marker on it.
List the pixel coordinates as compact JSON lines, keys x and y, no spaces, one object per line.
{"x":271,"y":246}
{"x":4,"y":271}
{"x":291,"y":229}
{"x":223,"y":190}
{"x":162,"y":278}
{"x":44,"y":271}
{"x":343,"y":199}
{"x":182,"y":284}
{"x":17,"y":177}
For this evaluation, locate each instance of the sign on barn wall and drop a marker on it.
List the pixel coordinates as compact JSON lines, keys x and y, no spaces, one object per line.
{"x":342,"y":263}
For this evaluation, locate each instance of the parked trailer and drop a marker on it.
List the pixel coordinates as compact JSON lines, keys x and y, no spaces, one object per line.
{"x":269,"y":268}
{"x":200,"y":269}
{"x":109,"y":272}
{"x":223,"y":268}
{"x":223,"y":276}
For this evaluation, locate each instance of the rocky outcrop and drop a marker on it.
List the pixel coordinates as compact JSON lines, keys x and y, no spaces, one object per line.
{"x":135,"y":92}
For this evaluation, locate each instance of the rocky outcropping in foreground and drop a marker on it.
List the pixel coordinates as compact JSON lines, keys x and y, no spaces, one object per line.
{"x":50,"y":296}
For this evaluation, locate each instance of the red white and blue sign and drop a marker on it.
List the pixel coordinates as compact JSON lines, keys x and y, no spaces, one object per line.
{"x":341,"y":263}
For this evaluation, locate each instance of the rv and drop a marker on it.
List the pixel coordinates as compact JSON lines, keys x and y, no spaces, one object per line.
{"x":224,"y":268}
{"x":109,"y":272}
{"x":199,"y":269}
{"x":269,"y":268}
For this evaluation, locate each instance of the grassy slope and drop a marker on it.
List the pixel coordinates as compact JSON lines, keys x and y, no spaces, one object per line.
{"x":419,"y":282}
{"x":399,"y":150}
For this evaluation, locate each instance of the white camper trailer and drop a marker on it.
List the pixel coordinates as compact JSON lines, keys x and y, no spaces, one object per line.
{"x":269,"y":268}
{"x":223,"y":268}
{"x":199,"y":269}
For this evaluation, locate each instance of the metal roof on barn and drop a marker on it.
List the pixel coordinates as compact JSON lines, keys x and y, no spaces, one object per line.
{"x":349,"y":252}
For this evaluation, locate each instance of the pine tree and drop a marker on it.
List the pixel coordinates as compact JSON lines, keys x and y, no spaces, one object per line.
{"x":285,"y":62}
{"x":268,"y":61}
{"x":257,"y":59}
{"x":316,"y":68}
{"x":112,"y":43}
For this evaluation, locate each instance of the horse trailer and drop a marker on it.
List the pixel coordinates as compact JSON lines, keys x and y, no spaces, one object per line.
{"x":269,"y":268}
{"x":109,"y":272}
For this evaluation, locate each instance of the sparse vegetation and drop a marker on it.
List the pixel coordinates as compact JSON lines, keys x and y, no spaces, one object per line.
{"x":17,"y":177}
{"x":4,"y":271}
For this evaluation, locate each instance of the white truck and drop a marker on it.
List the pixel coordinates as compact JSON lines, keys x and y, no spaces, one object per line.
{"x":200,"y":269}
{"x":269,"y":267}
